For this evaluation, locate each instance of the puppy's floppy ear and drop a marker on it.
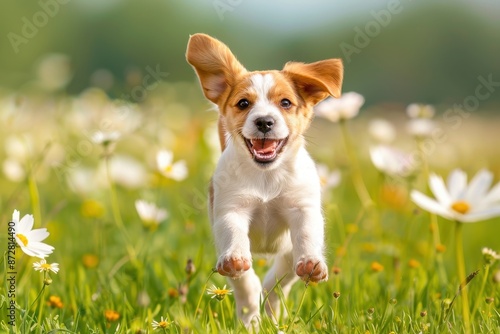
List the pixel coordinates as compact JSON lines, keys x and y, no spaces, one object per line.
{"x":316,"y":81}
{"x":216,"y":67}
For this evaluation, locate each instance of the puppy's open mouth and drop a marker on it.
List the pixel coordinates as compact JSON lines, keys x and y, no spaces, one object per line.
{"x":265,"y":150}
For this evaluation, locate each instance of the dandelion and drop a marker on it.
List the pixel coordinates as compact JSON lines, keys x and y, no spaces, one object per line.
{"x":336,"y":270}
{"x":392,"y":161}
{"x":440,"y":248}
{"x":376,"y":267}
{"x":394,"y":196}
{"x":343,"y":108}
{"x":55,"y":302}
{"x":150,"y":214}
{"x":91,"y":209}
{"x":43,"y":266}
{"x":162,"y":324}
{"x":173,"y":292}
{"x":170,"y":169}
{"x":219,"y":293}
{"x":328,"y":179}
{"x":90,"y":260}
{"x":413,"y":264}
{"x":261,"y":262}
{"x":28,"y":239}
{"x":111,"y":315}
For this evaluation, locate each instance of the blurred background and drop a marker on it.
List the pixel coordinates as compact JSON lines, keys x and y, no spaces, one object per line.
{"x":72,"y":68}
{"x":411,"y":51}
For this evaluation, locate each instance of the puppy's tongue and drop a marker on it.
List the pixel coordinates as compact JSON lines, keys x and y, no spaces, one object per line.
{"x":264,"y":146}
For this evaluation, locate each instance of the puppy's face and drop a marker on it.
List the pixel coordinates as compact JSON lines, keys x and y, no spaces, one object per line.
{"x":264,"y":113}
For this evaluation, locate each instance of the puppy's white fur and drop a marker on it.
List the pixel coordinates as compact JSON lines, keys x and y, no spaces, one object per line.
{"x":272,"y":207}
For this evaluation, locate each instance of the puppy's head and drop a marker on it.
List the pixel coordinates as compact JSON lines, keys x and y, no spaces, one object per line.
{"x":264,"y":113}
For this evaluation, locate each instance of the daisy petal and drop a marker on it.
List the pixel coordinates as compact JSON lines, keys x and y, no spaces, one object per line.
{"x":481,"y":214}
{"x":25,"y":224}
{"x":164,"y":158}
{"x":179,"y":170}
{"x":493,"y":196}
{"x":429,"y":204}
{"x":15,"y":216}
{"x":478,"y":186}
{"x":439,"y":190}
{"x":457,"y":183}
{"x":37,"y":235}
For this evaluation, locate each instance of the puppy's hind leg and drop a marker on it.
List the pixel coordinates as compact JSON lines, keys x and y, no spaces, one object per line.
{"x":247,"y":293}
{"x":282,"y":271}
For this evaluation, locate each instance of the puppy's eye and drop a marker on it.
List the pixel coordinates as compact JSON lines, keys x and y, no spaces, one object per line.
{"x":243,"y":104}
{"x":285,"y":104}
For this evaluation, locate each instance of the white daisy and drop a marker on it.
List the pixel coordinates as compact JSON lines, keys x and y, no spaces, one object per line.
{"x":328,"y":179}
{"x":105,"y":138}
{"x":162,"y":324}
{"x":345,"y":107}
{"x":167,"y":167}
{"x":420,"y":124}
{"x":219,"y":293}
{"x":30,"y":240}
{"x":44,"y":266}
{"x":490,"y":253}
{"x":459,"y":201}
{"x":421,"y":127}
{"x":150,"y":213}
{"x":382,"y":131}
{"x":416,"y":110}
{"x":392,"y":161}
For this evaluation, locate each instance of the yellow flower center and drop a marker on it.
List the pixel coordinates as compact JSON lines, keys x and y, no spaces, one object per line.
{"x":23,"y":239}
{"x":168,"y":169}
{"x":221,"y":292}
{"x":323,"y":180}
{"x":461,"y":207}
{"x":163,"y":324}
{"x":45,"y":266}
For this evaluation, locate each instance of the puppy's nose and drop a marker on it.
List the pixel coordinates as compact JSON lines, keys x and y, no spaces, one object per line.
{"x":264,"y":124}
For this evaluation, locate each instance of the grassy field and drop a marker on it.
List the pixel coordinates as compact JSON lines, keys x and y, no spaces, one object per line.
{"x":393,"y":265}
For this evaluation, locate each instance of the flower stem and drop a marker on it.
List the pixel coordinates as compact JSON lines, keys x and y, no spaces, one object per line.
{"x":357,"y":178}
{"x":223,"y":315}
{"x":203,"y":291}
{"x":292,"y":320}
{"x":436,"y":239}
{"x":35,"y":197}
{"x":114,"y":200}
{"x":480,"y":297}
{"x":115,"y":208}
{"x":459,"y":252}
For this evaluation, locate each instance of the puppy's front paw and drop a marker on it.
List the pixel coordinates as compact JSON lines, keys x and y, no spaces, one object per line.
{"x":311,"y":269}
{"x":233,"y":266}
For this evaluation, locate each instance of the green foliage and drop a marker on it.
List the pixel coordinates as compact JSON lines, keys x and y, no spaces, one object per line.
{"x":385,"y":277}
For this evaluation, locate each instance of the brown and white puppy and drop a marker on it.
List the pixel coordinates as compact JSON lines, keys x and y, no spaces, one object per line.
{"x":265,"y":192}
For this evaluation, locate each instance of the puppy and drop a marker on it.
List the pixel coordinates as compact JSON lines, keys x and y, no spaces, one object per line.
{"x":265,"y":192}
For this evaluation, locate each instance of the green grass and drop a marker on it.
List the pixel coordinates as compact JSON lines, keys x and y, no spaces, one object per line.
{"x":386,"y":275}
